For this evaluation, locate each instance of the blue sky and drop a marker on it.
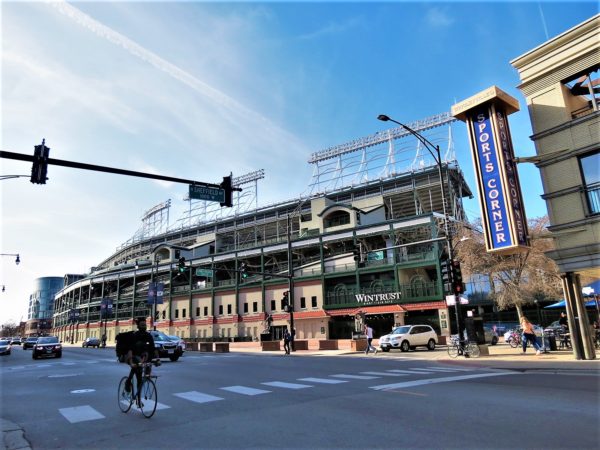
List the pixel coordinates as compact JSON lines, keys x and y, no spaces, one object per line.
{"x":197,"y":90}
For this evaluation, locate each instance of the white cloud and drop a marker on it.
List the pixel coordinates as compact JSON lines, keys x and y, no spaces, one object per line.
{"x":439,"y":18}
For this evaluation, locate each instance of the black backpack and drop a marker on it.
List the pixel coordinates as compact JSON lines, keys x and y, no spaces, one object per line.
{"x":124,"y":344}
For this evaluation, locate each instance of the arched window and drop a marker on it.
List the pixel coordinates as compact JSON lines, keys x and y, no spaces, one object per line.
{"x":336,"y":218}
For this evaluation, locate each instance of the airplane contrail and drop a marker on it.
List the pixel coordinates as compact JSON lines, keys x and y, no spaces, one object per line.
{"x":137,"y":50}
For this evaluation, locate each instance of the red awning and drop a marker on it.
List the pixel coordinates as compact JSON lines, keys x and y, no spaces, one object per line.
{"x":424,"y":305}
{"x":309,"y":314}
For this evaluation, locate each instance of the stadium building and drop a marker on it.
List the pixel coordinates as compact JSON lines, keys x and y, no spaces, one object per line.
{"x":365,"y":243}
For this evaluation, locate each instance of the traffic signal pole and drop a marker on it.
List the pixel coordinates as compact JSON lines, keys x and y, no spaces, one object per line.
{"x":290,"y":282}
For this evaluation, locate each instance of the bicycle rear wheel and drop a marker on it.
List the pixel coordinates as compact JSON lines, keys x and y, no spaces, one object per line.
{"x":453,"y":350}
{"x":125,"y":399}
{"x":514,"y":342}
{"x":473,"y":350}
{"x":148,"y":398}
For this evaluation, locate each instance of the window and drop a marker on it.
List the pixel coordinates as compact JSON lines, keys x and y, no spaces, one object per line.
{"x":282,"y":301}
{"x":255,"y":306}
{"x":313,"y":301}
{"x":177,"y":314}
{"x":197,"y":311}
{"x":272,"y":305}
{"x":246,"y":307}
{"x":302,"y":302}
{"x":206,"y":310}
{"x":590,"y":173}
{"x":229,"y":309}
{"x":183,"y":313}
{"x":337,"y":218}
{"x":220,"y":310}
{"x":164,"y":315}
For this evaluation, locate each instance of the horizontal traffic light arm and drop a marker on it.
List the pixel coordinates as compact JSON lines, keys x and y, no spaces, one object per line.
{"x":84,"y":166}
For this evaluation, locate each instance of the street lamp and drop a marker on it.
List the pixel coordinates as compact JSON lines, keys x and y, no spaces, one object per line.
{"x":17,"y":260}
{"x":431,"y":148}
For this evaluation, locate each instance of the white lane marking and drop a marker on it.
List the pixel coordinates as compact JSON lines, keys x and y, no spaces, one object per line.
{"x":386,"y":387}
{"x":245,"y":390}
{"x":16,"y":367}
{"x":82,"y":391}
{"x":80,"y":414}
{"x":383,"y":374}
{"x":68,"y":363}
{"x":355,"y":377}
{"x":158,"y":406}
{"x":65,"y":375}
{"x":409,"y":372}
{"x":197,"y":397}
{"x":281,"y":384}
{"x":322,"y":380}
{"x":93,"y":362}
{"x":450,"y":369}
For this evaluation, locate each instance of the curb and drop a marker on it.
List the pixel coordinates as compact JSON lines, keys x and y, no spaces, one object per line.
{"x":13,"y":436}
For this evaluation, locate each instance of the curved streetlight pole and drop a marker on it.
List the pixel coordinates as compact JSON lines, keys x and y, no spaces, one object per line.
{"x":17,"y":260}
{"x":431,"y":148}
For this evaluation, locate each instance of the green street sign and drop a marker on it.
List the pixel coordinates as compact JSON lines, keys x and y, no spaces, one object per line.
{"x":207,"y":193}
{"x":204,"y":273}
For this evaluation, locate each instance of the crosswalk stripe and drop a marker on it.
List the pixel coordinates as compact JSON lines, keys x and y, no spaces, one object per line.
{"x":355,"y":377}
{"x":197,"y":397}
{"x":322,"y":380}
{"x":383,"y":374}
{"x":158,"y":406}
{"x":245,"y":390}
{"x":408,"y":372}
{"x":387,"y":387}
{"x":447,"y":369}
{"x":77,"y":414}
{"x":281,"y":384}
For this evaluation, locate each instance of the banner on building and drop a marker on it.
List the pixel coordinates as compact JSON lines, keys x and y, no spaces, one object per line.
{"x":155,"y":293}
{"x":500,"y":198}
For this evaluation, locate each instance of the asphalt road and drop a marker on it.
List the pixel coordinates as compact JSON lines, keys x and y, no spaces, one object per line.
{"x":245,"y":400}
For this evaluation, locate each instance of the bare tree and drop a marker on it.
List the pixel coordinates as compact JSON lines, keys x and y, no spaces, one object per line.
{"x":515,"y":280}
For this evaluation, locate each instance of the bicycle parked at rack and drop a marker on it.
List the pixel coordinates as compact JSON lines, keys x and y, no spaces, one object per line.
{"x":515,"y":338}
{"x":145,"y":396}
{"x":462,"y":347}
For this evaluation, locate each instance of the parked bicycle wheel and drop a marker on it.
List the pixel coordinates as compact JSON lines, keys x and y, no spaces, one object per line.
{"x":453,"y":350}
{"x":148,"y":398}
{"x":472,"y":349}
{"x":125,"y":398}
{"x":514,"y":342}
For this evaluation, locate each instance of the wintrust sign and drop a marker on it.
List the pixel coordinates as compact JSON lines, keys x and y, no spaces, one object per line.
{"x":503,"y":214}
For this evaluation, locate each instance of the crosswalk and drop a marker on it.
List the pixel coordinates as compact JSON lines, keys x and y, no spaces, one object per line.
{"x":427,"y":375}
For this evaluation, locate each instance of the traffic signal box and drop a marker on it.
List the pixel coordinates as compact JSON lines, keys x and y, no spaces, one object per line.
{"x":446,"y":269}
{"x":181,"y":265}
{"x":243,"y":271}
{"x":286,"y":302}
{"x":458,"y":286}
{"x":39,"y":168}
{"x":228,"y":188}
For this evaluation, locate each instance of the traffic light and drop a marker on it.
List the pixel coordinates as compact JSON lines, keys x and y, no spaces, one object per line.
{"x":446,"y":270}
{"x":181,"y":264}
{"x":356,"y":252}
{"x":287,"y":307}
{"x":39,"y":168}
{"x":243,"y":271}
{"x":458,"y":286}
{"x":228,"y":188}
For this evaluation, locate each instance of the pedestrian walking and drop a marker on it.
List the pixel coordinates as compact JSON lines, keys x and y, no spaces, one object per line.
{"x":529,"y":335}
{"x":287,"y":339}
{"x":369,"y":334}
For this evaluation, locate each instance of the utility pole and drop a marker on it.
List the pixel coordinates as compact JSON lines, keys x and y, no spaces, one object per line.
{"x":290,"y":281}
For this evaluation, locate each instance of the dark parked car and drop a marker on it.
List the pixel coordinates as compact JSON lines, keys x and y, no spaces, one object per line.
{"x":91,"y":342}
{"x":166,"y":348}
{"x":47,"y":346}
{"x":4,"y":346}
{"x":29,"y":342}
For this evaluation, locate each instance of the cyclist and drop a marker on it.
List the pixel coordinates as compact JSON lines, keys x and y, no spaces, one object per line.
{"x":140,"y":351}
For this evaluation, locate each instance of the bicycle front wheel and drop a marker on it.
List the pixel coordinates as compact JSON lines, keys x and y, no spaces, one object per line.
{"x":148,"y":398}
{"x":125,"y":399}
{"x":514,"y":342}
{"x":453,"y":350}
{"x":473,"y":350}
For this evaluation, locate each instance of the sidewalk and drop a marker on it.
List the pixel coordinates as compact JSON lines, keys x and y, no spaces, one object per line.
{"x":12,"y":437}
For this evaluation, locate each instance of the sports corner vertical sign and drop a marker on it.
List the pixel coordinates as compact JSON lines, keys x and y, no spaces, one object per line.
{"x":503,"y":212}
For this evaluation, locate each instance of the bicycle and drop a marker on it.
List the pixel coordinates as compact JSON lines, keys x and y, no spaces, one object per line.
{"x":515,"y":339}
{"x":146,"y":395}
{"x":464,"y":347}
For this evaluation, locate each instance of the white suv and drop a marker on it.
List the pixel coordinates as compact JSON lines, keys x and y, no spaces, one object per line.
{"x":407,"y":337}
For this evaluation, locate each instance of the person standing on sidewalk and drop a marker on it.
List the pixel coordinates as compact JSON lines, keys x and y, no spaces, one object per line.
{"x":287,"y":338}
{"x":369,"y":334}
{"x":529,"y":335}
